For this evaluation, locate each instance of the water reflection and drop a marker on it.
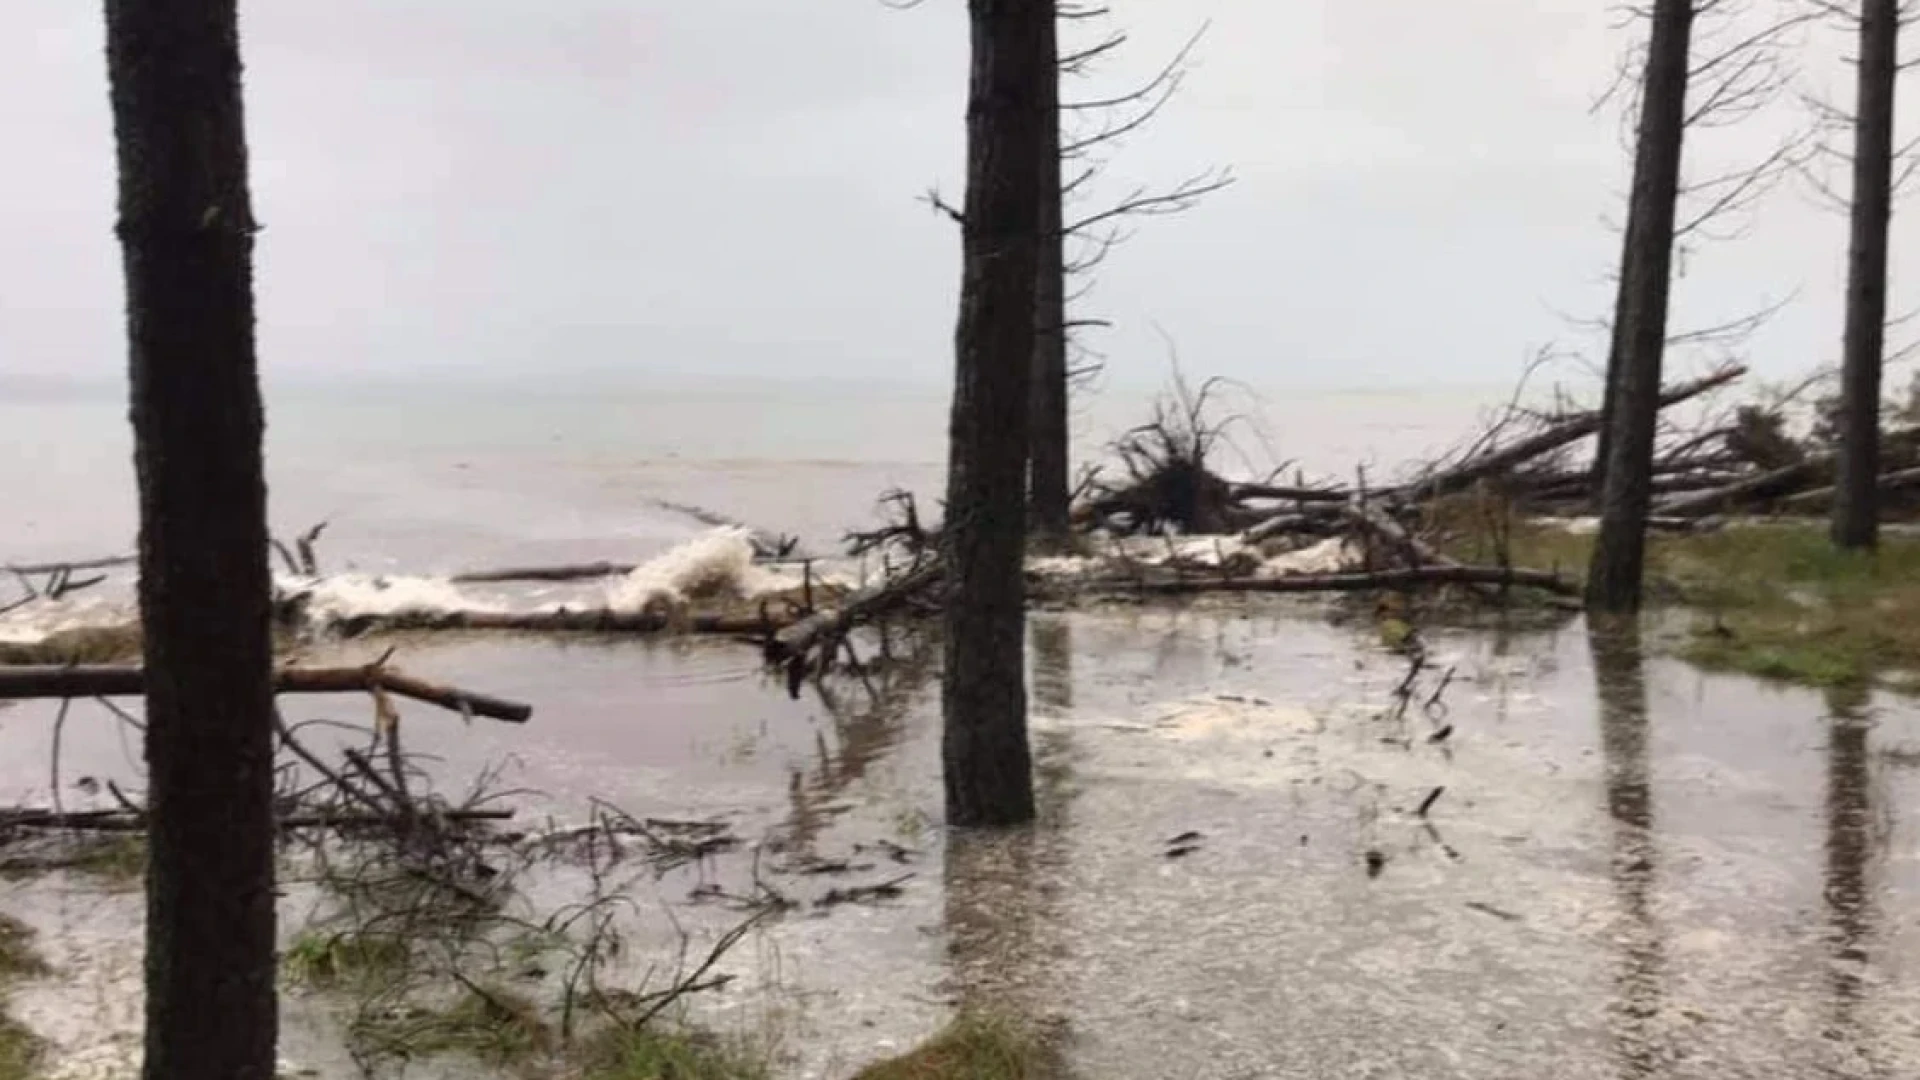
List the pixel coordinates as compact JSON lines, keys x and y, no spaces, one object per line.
{"x":1005,"y":948}
{"x":1621,"y":689}
{"x":1849,"y":849}
{"x":867,"y":713}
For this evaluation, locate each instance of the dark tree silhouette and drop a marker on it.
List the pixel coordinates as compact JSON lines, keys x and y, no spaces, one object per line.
{"x":186,"y":231}
{"x":1856,"y":509}
{"x":1640,"y":331}
{"x":988,"y":764}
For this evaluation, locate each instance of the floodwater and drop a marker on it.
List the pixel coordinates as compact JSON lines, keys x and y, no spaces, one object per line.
{"x":1634,"y":869}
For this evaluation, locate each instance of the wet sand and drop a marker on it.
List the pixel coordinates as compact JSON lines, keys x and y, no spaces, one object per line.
{"x":1634,"y":869}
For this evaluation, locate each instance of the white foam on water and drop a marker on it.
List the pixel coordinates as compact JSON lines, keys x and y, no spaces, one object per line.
{"x":349,"y":596}
{"x":717,"y":564}
{"x":35,"y":621}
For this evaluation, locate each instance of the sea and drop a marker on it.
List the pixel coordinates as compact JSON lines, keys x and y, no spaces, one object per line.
{"x":430,"y":476}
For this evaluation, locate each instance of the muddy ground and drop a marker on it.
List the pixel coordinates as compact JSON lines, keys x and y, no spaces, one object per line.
{"x":1634,"y":869}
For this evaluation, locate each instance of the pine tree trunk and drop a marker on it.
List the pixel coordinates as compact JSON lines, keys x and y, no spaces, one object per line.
{"x":1051,"y":479}
{"x":988,"y":765}
{"x":1856,"y":498}
{"x":186,"y":232}
{"x":1640,"y":331}
{"x":1610,"y":394}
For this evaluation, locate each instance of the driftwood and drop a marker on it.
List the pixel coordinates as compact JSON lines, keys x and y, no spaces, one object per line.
{"x":125,"y":680}
{"x":135,"y":820}
{"x":564,"y":620}
{"x":1893,"y":481}
{"x":1240,"y":492}
{"x":833,"y":623}
{"x":1355,"y":582}
{"x":1762,"y":485}
{"x":1562,"y":433}
{"x":576,"y":572}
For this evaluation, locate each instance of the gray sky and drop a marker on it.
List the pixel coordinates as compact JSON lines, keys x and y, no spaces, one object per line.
{"x":489,"y":186}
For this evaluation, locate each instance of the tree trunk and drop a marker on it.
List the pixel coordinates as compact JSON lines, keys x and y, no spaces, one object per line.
{"x":1640,"y":330}
{"x":1052,"y":486}
{"x":1856,"y":504}
{"x":988,"y":765}
{"x":186,"y":232}
{"x":1610,"y":393}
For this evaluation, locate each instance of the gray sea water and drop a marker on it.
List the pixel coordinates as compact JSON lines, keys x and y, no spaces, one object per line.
{"x":424,"y":476}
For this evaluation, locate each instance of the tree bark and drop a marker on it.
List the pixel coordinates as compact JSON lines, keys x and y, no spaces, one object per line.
{"x":186,"y":231}
{"x":1051,"y":483}
{"x":1856,"y":476}
{"x":1640,"y":331}
{"x":988,"y":765}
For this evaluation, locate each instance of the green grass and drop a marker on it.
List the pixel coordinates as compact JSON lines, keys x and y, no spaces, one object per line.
{"x":320,"y":959}
{"x":495,"y":1025}
{"x":976,"y":1046}
{"x":20,"y":1049}
{"x":647,"y":1053}
{"x":1775,"y":601}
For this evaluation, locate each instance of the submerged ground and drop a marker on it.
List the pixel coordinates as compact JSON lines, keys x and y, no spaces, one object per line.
{"x":1634,"y":869}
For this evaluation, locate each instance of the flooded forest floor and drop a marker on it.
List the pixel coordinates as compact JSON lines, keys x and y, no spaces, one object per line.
{"x":1268,"y":846}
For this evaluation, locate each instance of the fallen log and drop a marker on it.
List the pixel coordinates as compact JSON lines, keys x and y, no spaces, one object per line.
{"x":136,"y":820}
{"x":576,"y":572}
{"x":1893,"y":481}
{"x":1354,"y":582}
{"x":1759,"y":486}
{"x":564,"y":620}
{"x":127,"y":680}
{"x":1562,"y":433}
{"x":831,"y":623}
{"x":1239,"y":492}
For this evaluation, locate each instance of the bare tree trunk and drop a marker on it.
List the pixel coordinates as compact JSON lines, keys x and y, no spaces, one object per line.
{"x":1610,"y":394}
{"x":1856,"y":503}
{"x":1051,"y":481}
{"x":1640,"y":331}
{"x":186,"y":231}
{"x":988,"y":765}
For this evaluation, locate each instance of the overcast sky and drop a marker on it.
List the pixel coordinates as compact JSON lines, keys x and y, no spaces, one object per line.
{"x":732,"y":186}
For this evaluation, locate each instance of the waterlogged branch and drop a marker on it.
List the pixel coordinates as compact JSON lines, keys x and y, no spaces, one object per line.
{"x":128,"y":680}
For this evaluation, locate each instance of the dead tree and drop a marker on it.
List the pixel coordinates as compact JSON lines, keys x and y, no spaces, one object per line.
{"x":987,"y":762}
{"x":1098,"y":123}
{"x":1614,"y":579}
{"x":186,"y":232}
{"x":1857,"y":473}
{"x":1739,"y":65}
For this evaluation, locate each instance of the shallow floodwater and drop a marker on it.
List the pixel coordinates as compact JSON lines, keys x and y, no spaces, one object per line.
{"x":1634,"y":869}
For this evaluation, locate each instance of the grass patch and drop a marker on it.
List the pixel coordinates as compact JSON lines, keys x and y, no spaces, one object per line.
{"x":495,"y":1025}
{"x":17,"y":958}
{"x":625,"y":1053}
{"x":20,"y":1049}
{"x":1772,"y":600}
{"x":976,"y":1046}
{"x":321,"y":959}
